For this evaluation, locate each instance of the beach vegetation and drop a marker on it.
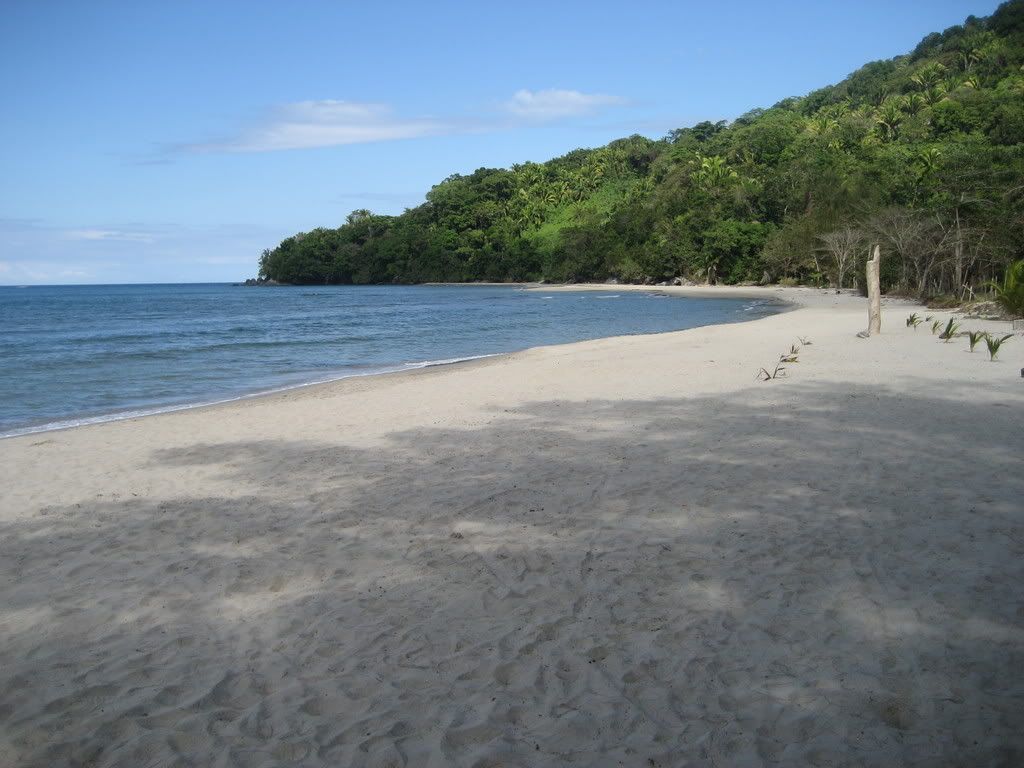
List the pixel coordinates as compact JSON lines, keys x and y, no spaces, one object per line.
{"x":951,"y":329}
{"x":973,"y":337}
{"x":792,"y":355}
{"x":777,"y":372}
{"x":780,"y":367}
{"x":994,"y":343}
{"x":1010,"y":292}
{"x":944,"y":301}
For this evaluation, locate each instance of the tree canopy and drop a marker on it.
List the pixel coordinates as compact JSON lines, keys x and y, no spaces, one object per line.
{"x":923,"y":153}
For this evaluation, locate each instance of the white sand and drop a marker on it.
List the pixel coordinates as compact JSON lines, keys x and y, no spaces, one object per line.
{"x":619,"y":552}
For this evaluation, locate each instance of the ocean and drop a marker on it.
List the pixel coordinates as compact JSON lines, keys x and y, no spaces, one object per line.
{"x":73,"y":355}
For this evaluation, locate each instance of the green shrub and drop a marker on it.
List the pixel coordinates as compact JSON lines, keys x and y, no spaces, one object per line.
{"x":945,"y":301}
{"x":1010,"y":294}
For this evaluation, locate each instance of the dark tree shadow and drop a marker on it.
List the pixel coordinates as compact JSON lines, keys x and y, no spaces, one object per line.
{"x":701,"y":581}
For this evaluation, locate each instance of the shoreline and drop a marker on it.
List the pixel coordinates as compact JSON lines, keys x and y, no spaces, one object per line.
{"x":142,"y":413}
{"x":157,"y":410}
{"x":619,"y":551}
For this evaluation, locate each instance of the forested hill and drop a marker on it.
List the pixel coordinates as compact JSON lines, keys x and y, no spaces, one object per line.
{"x":923,"y":153}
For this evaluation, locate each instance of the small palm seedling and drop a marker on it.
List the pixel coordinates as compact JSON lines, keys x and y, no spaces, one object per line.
{"x":914,"y":320}
{"x":780,"y":367}
{"x":994,"y":343}
{"x":973,"y":337}
{"x":950,"y":330}
{"x":778,"y":372}
{"x":791,"y":356}
{"x":804,"y":342}
{"x":935,"y":326}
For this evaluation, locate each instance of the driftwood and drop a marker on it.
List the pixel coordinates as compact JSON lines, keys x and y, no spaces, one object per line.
{"x":874,"y":293}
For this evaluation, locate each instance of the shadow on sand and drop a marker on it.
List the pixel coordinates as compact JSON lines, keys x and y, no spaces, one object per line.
{"x":702,"y":581}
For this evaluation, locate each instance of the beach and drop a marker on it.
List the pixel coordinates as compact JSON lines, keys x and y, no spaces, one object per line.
{"x":627,"y":551}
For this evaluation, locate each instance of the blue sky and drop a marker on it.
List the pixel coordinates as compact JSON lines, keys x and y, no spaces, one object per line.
{"x":173,"y":141}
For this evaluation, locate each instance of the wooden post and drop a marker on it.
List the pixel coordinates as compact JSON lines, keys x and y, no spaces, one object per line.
{"x":874,"y":294}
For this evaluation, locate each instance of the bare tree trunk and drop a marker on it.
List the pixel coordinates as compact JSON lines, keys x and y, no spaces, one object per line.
{"x":958,"y":254}
{"x":874,"y":293}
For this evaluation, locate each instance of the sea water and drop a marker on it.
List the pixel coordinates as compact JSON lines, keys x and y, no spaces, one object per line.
{"x":78,"y":354}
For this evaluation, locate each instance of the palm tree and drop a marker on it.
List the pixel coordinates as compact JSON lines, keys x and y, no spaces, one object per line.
{"x":713,"y":172}
{"x":968,"y":58}
{"x":821,"y":125}
{"x":928,"y":75}
{"x":529,"y":175}
{"x":913,"y":103}
{"x":991,"y":55}
{"x":838,"y":110}
{"x":934,"y":94}
{"x":926,"y":161}
{"x":889,"y":117}
{"x":865,"y":110}
{"x":642,"y":187}
{"x":532,"y":216}
{"x":359,"y":214}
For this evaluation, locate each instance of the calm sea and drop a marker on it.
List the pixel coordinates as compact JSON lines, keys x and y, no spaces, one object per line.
{"x":78,"y":354}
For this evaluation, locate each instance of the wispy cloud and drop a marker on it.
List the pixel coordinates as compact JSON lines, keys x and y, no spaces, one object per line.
{"x":556,"y":104}
{"x":23,"y":272}
{"x":333,"y":123}
{"x":109,"y":235}
{"x":34,"y":251}
{"x":325,"y":123}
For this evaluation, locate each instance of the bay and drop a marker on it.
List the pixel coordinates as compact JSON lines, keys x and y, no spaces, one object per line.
{"x":78,"y":354}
